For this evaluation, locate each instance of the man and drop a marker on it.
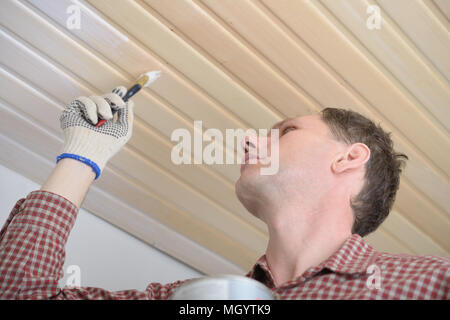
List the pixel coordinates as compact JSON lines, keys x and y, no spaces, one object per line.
{"x":337,"y":179}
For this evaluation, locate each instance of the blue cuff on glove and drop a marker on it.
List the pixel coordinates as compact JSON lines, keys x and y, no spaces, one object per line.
{"x":90,"y":163}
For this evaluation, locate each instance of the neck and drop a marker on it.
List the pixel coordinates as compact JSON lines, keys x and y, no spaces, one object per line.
{"x":300,"y":239}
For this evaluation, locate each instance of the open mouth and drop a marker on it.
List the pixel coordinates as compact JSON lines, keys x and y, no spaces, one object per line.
{"x":249,"y":157}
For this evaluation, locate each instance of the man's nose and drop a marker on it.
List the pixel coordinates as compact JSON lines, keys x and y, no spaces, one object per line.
{"x":250,"y":142}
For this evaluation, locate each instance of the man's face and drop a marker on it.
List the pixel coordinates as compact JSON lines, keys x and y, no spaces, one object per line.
{"x":306,"y":152}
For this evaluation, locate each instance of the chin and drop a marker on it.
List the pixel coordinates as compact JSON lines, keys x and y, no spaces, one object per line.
{"x":245,"y":197}
{"x":250,"y":185}
{"x":249,"y":175}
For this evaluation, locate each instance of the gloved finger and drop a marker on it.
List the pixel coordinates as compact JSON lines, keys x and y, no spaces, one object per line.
{"x":114,"y":101}
{"x":125,"y":116}
{"x":89,"y":109}
{"x":103,"y":108}
{"x":120,"y":91}
{"x":115,"y":98}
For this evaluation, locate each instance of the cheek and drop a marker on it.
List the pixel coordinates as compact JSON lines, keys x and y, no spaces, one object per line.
{"x":311,"y":156}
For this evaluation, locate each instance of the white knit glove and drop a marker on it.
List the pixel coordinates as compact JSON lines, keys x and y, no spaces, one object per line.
{"x":92,"y":145}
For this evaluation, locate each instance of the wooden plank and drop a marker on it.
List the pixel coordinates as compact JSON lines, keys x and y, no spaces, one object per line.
{"x":232,"y":52}
{"x":444,"y":6}
{"x":285,"y":51}
{"x":112,"y":181}
{"x":201,"y":178}
{"x":384,"y":242}
{"x":65,"y":51}
{"x":189,"y":99}
{"x":352,"y":66}
{"x":151,"y":32}
{"x":413,"y":238}
{"x":356,"y":65}
{"x":281,"y":51}
{"x":235,"y":177}
{"x":423,"y":178}
{"x":199,"y":205}
{"x":35,"y":138}
{"x":400,"y":58}
{"x":419,"y":24}
{"x":437,"y":14}
{"x":182,"y":196}
{"x":17,"y":157}
{"x":424,"y":214}
{"x":61,"y":47}
{"x":35,"y":106}
{"x":48,"y":102}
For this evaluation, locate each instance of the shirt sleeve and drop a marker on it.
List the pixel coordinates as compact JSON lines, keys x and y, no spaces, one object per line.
{"x":32,"y":253}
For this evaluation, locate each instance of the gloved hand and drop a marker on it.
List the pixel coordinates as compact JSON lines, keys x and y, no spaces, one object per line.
{"x":89,"y":144}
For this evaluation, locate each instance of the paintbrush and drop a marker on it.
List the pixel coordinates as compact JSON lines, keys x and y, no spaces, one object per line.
{"x":143,"y":81}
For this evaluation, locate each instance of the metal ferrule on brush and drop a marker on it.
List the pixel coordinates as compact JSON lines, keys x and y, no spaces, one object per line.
{"x":136,"y":87}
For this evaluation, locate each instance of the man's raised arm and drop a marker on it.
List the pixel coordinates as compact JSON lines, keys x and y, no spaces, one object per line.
{"x":33,"y":239}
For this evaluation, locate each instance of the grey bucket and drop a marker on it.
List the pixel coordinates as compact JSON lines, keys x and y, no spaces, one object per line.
{"x":223,"y":287}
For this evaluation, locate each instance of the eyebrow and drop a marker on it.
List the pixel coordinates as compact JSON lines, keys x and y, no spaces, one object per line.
{"x":280,"y":124}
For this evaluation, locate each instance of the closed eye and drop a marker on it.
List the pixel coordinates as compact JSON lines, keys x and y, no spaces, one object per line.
{"x":287,"y":129}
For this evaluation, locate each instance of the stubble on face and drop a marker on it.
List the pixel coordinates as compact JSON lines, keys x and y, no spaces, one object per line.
{"x":304,"y":154}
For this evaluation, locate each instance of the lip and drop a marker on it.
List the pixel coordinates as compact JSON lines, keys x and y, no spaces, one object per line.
{"x":247,"y":158}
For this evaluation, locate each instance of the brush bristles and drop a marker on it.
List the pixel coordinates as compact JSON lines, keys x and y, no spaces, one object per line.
{"x":152,"y":76}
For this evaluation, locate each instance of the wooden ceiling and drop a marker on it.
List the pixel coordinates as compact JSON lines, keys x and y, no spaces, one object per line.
{"x":232,"y":64}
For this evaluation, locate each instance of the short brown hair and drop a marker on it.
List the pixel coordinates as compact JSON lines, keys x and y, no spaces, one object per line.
{"x":382,"y":177}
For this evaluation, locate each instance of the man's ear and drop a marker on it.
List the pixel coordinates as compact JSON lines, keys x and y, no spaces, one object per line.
{"x":353,"y":157}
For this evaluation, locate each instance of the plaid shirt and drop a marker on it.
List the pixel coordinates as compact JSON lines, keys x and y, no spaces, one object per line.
{"x":32,"y":255}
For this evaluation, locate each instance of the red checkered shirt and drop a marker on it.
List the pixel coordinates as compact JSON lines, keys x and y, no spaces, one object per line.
{"x":32,"y":255}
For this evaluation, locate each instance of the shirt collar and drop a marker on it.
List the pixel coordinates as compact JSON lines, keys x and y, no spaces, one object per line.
{"x":353,"y":257}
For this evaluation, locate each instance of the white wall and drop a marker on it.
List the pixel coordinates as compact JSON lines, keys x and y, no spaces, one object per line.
{"x":107,"y":256}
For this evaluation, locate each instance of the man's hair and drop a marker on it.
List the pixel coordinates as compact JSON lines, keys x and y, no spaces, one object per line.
{"x":382,"y":177}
